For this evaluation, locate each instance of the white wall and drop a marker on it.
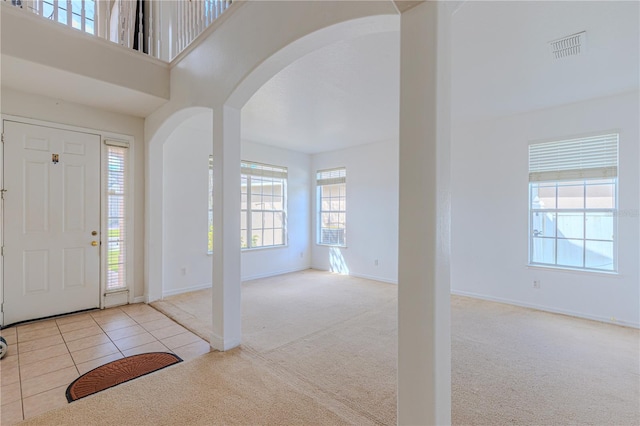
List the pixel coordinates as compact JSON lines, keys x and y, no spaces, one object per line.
{"x":372,"y":211}
{"x":490,"y":212}
{"x":57,"y":111}
{"x":296,"y":255}
{"x":186,"y":263}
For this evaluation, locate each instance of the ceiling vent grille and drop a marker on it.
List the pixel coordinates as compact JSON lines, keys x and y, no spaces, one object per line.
{"x":572,"y":45}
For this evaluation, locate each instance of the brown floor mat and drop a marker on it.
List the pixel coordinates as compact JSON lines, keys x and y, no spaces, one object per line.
{"x":119,"y":371}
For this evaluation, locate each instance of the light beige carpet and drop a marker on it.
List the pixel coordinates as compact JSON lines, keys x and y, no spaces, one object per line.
{"x":217,"y":388}
{"x":320,"y":348}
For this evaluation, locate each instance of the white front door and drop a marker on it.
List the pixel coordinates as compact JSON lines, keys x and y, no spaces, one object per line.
{"x":51,"y":221}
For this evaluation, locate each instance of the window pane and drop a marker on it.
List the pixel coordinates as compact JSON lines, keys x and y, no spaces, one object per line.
{"x":256,"y":238}
{"x":600,"y":196}
{"x":570,"y":196}
{"x":89,"y":26}
{"x":76,"y":16}
{"x":243,"y":220}
{"x":268,"y":202}
{"x":267,"y":237}
{"x":278,"y":220}
{"x":543,"y":250}
{"x":543,"y":224}
{"x":278,"y":203}
{"x":278,"y":236}
{"x":278,"y":188}
{"x":47,"y":10}
{"x":570,"y":225}
{"x":62,"y":12}
{"x":543,"y":196}
{"x":256,"y":220}
{"x":268,"y":220}
{"x":116,"y":213}
{"x":570,"y":252}
{"x":243,"y":238}
{"x":599,"y":255}
{"x":599,"y":226}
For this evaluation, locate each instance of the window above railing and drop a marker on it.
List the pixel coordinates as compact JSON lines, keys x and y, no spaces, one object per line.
{"x":160,"y":28}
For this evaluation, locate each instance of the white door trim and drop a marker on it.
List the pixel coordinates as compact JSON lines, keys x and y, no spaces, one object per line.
{"x":103,"y":201}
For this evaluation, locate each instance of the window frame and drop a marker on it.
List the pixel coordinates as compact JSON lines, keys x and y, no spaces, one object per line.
{"x":123,"y":241}
{"x":325,"y":178}
{"x":558,"y":173}
{"x":250,"y":171}
{"x":210,"y":211}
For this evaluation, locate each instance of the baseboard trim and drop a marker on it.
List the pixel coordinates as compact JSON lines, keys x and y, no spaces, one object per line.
{"x":373,"y":278}
{"x":140,"y":299}
{"x":365,"y":276}
{"x":545,"y":308}
{"x":273,"y":274}
{"x":185,"y":290}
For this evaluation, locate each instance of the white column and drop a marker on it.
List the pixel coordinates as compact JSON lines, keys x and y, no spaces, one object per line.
{"x":226,"y":229}
{"x":424,"y":320}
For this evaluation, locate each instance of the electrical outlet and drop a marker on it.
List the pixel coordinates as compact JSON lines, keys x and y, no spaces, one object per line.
{"x":301,"y":255}
{"x":375,"y":262}
{"x":183,"y":270}
{"x":536,"y":283}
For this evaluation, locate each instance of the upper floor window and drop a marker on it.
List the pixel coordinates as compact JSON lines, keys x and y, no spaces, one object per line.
{"x":332,"y":206}
{"x":79,"y":14}
{"x":573,"y":203}
{"x":263,"y":205}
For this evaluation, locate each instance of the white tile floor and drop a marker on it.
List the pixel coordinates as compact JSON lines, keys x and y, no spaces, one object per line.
{"x":44,"y":357}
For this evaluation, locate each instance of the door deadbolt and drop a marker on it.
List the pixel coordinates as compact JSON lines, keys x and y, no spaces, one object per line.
{"x":94,"y":232}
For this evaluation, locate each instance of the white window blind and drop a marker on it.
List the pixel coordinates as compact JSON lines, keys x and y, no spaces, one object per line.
{"x":593,"y":157}
{"x":262,"y":170}
{"x":117,"y":194}
{"x":332,"y":176}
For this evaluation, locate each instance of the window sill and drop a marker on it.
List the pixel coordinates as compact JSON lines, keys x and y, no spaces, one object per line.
{"x":331,"y":245}
{"x":249,"y":249}
{"x":568,"y":269}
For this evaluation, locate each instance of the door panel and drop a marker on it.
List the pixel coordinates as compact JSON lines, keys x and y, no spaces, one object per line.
{"x":52,"y":205}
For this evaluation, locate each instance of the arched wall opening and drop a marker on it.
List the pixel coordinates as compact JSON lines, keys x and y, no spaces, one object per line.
{"x":241,"y":92}
{"x":170,"y":151}
{"x":225,"y":86}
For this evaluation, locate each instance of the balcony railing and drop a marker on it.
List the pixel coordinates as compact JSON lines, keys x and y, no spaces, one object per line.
{"x":160,"y":28}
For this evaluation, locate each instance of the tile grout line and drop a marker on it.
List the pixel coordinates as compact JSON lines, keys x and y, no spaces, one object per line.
{"x":106,"y":334}
{"x":67,"y":346}
{"x":144,"y":328}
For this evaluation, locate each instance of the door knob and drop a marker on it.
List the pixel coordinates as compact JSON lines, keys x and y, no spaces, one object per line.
{"x":94,"y":243}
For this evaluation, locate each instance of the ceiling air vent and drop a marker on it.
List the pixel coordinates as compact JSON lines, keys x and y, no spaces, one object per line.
{"x":572,"y":45}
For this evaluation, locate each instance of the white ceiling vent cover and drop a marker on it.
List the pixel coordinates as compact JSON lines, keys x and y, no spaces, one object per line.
{"x":572,"y":45}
